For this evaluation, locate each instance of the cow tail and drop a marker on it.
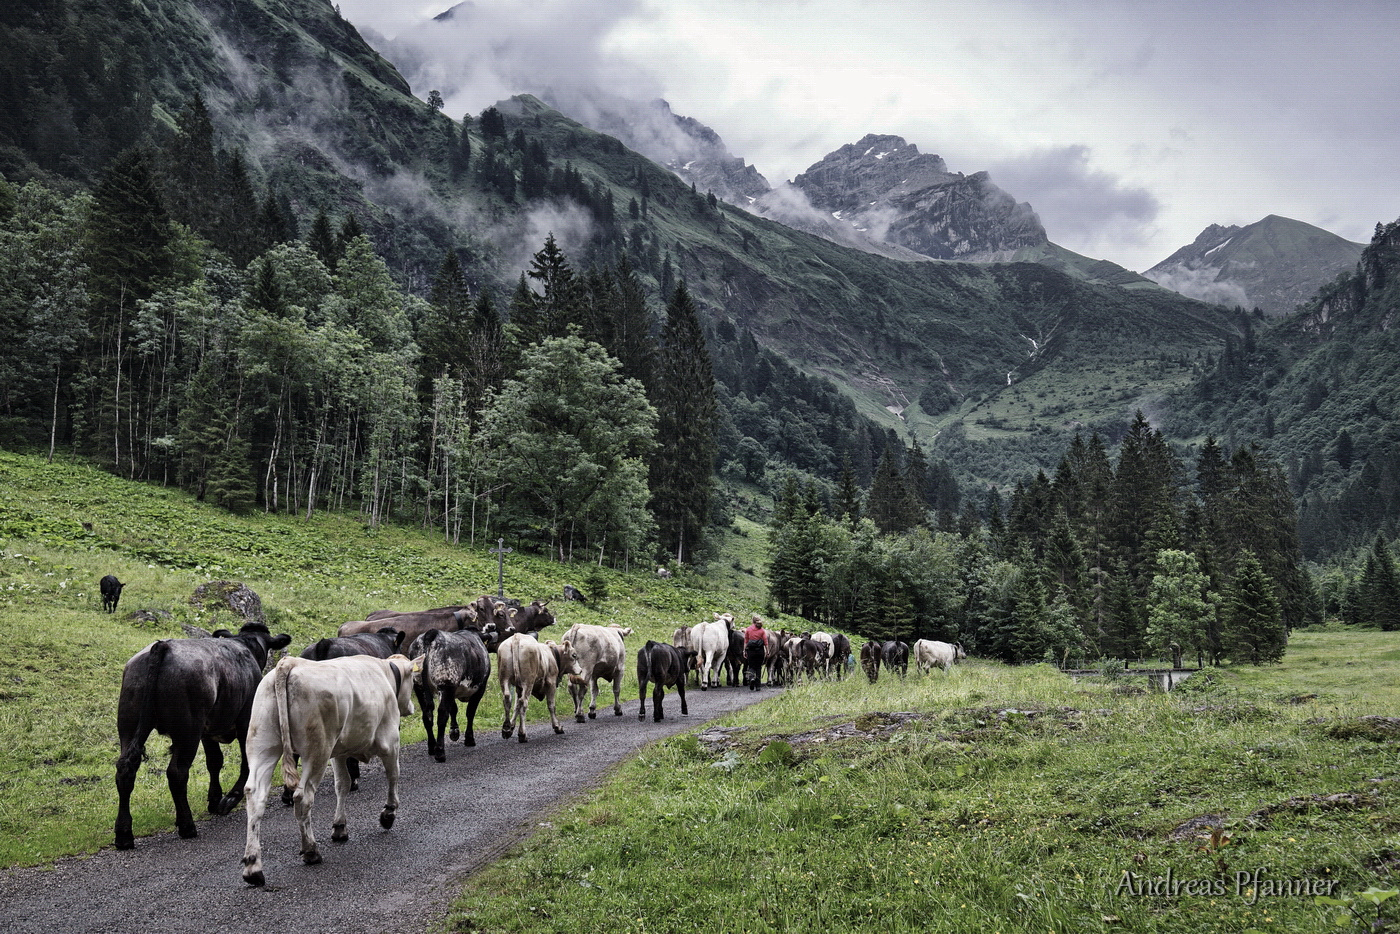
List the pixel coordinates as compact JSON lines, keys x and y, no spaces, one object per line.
{"x":135,"y":753}
{"x":291,"y":778}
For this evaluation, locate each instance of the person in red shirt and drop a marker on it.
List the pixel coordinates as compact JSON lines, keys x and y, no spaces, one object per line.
{"x":755,"y":647}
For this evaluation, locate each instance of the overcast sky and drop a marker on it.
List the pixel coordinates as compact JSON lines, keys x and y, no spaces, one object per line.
{"x":1128,"y":126}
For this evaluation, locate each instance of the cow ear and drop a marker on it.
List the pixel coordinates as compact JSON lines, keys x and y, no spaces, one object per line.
{"x":221,"y":634}
{"x":510,"y":613}
{"x":280,"y":642}
{"x":418,"y":664}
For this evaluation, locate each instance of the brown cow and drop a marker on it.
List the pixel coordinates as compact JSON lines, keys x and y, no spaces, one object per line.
{"x":529,"y":668}
{"x":413,"y":625}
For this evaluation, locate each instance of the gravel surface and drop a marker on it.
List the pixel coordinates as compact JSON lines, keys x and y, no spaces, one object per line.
{"x":453,"y":819}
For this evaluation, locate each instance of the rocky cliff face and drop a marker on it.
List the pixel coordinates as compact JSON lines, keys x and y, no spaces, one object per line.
{"x":885,"y":189}
{"x":1274,"y":264}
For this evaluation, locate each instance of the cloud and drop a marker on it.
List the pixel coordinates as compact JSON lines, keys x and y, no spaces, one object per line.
{"x":1081,"y":207}
{"x":1201,"y":284}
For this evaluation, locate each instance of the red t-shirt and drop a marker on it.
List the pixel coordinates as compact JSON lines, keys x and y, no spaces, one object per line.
{"x":755,"y":631}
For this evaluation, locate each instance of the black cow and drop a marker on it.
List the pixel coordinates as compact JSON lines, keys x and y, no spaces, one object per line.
{"x":870,"y":660}
{"x":111,"y":592}
{"x":573,"y":593}
{"x":840,"y":652}
{"x":734,"y":659}
{"x":665,"y":666}
{"x":456,"y":666}
{"x":894,"y":655}
{"x":532,"y":618}
{"x":196,"y":691}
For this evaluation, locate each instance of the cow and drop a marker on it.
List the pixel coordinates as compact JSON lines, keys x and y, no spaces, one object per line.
{"x":681,"y":640}
{"x":806,"y":655}
{"x":437,"y":610}
{"x":111,"y":592}
{"x":324,"y":711}
{"x":528,"y":619}
{"x":413,"y":625}
{"x":774,"y":657}
{"x":894,"y":655}
{"x":870,"y":660}
{"x":734,"y":658}
{"x":662,"y":666}
{"x":929,"y":655}
{"x":840,"y":653}
{"x":710,"y":640}
{"x":601,"y":655}
{"x":573,"y":593}
{"x":379,"y":644}
{"x":195,"y":691}
{"x":828,"y":649}
{"x":456,"y":667}
{"x":528,"y":668}
{"x":664,"y":573}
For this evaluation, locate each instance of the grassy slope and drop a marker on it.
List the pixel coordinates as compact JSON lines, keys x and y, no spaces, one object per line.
{"x":61,"y":658}
{"x":994,"y":799}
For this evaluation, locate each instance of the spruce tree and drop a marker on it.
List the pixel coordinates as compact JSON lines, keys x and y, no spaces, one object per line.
{"x":1252,"y":627}
{"x":688,"y":420}
{"x":322,"y":241}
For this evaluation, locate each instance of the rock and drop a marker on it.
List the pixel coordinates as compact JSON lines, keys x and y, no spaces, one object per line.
{"x":232,"y":595}
{"x":148,"y":616}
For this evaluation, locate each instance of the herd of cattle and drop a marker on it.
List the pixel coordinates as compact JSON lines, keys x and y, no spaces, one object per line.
{"x":342,"y":699}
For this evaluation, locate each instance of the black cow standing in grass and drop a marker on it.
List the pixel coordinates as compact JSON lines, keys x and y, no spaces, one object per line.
{"x":664,"y":666}
{"x":894,"y":655}
{"x":196,"y":691}
{"x":111,"y":592}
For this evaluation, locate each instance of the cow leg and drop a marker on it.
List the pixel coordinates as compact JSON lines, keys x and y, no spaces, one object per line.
{"x":447,"y":710}
{"x":642,"y":699}
{"x":549,"y":696}
{"x":304,"y":798}
{"x":352,"y":765}
{"x":258,"y":785}
{"x":657,"y":693}
{"x":425,"y":701}
{"x":342,"y":789}
{"x":214,"y":760}
{"x":177,"y":775}
{"x":577,"y":692}
{"x":391,"y":778}
{"x":508,"y":727}
{"x":522,"y":705}
{"x":133,"y":748}
{"x":680,"y":690}
{"x":617,"y":694}
{"x":472,"y":703}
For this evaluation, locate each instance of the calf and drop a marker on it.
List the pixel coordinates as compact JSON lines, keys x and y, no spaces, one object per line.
{"x":929,"y":655}
{"x":456,"y":666}
{"x":894,"y":655}
{"x":827,"y":644}
{"x":324,"y":711}
{"x":870,"y":660}
{"x":528,"y":669}
{"x":111,"y":592}
{"x":196,"y":691}
{"x":663,"y":666}
{"x":734,"y":658}
{"x":601,"y":655}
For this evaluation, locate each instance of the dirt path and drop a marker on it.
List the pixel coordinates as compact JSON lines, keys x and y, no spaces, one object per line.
{"x":454,"y":817}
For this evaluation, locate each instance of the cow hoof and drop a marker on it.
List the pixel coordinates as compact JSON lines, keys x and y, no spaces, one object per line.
{"x":189,"y":832}
{"x":286,"y":796}
{"x":642,"y":715}
{"x":617,"y":712}
{"x":440,"y":756}
{"x":126,"y":843}
{"x":339,"y":834}
{"x":229,"y":802}
{"x":454,"y":735}
{"x":311,"y":858}
{"x":470,"y":740}
{"x":523,"y":737}
{"x":593,"y":715}
{"x":558,"y":729}
{"x":578,"y":717}
{"x":505,"y":734}
{"x":386,"y":818}
{"x":254,"y":878}
{"x":354,"y":784}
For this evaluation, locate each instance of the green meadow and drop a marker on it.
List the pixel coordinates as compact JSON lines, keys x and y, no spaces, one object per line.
{"x":993,"y":798}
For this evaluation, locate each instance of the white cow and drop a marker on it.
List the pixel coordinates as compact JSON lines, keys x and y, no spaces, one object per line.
{"x":528,"y":668}
{"x":601,"y":655}
{"x":929,"y":655}
{"x":710,"y":640}
{"x":323,"y":711}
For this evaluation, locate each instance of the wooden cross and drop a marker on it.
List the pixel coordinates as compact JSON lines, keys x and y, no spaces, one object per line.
{"x":500,"y":551}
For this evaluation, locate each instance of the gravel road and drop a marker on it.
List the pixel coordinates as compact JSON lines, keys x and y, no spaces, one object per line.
{"x":398,"y":880}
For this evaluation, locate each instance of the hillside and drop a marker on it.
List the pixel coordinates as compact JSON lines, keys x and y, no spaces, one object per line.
{"x":1319,"y":391}
{"x":1275,"y":264}
{"x":325,"y":124}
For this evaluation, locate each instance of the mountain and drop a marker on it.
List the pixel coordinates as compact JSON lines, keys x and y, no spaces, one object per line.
{"x":881,"y":191}
{"x":1275,"y":264}
{"x":991,"y":363}
{"x":1318,"y":390}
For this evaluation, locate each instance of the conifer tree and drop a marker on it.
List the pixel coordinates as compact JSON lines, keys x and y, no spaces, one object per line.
{"x":322,"y":241}
{"x":683,"y":470}
{"x":1378,"y":589}
{"x":1252,"y":627}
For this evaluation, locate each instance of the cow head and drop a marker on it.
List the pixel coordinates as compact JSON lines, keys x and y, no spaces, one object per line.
{"x":393,"y":636}
{"x":465,"y":617}
{"x":958,"y":653}
{"x":568,"y":659}
{"x":258,"y":640}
